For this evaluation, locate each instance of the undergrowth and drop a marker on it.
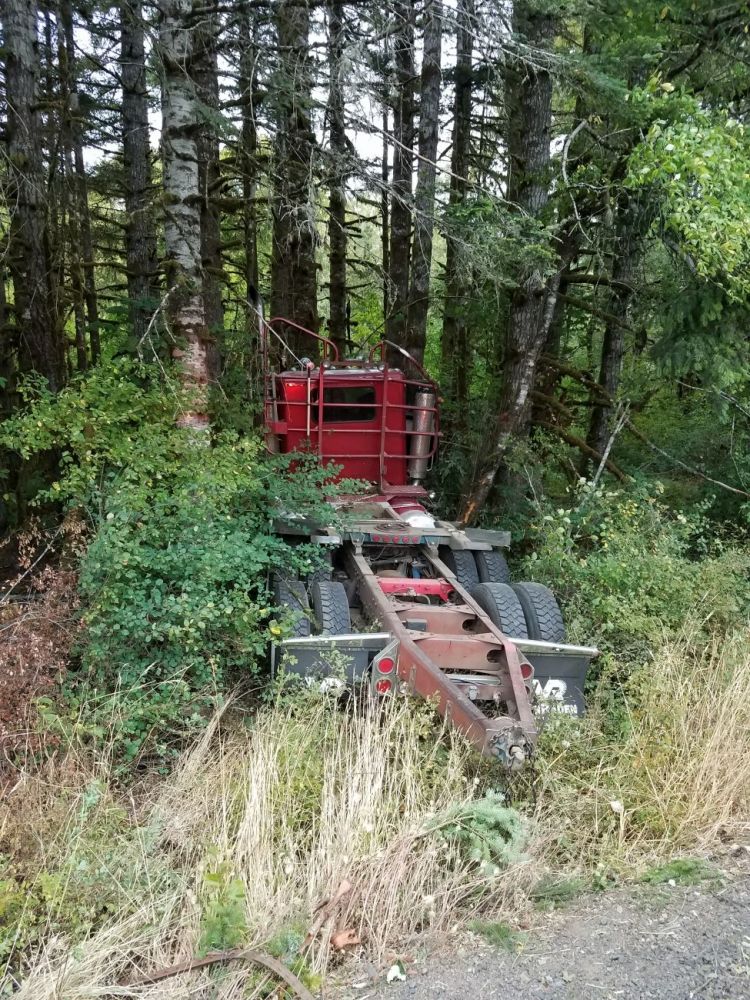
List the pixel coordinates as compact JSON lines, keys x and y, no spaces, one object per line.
{"x":676,"y":777}
{"x":240,"y":840}
{"x":266,"y":818}
{"x":261,"y":821}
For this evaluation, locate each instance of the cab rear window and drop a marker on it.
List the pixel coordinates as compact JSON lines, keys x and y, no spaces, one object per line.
{"x":345,"y":404}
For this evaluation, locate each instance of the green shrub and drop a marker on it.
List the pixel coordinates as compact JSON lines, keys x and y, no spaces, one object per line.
{"x":630,"y":571}
{"x":174,"y":579}
{"x":223,"y":923}
{"x":486,"y":831}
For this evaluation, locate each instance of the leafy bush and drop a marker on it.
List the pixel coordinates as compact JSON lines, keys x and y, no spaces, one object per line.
{"x":174,"y":580}
{"x":630,"y":570}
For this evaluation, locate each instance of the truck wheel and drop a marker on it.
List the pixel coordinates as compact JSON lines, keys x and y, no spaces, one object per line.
{"x":321,"y":572}
{"x":543,"y":616}
{"x":291,"y":596}
{"x":502,"y":607}
{"x":331,"y":607}
{"x":461,"y":564}
{"x":492,"y":567}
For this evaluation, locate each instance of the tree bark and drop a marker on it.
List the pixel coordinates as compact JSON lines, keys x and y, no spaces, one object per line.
{"x":36,"y":324}
{"x":140,"y":234}
{"x":248,"y":56}
{"x":403,"y":165}
{"x":530,"y":120}
{"x":209,"y":176}
{"x":455,"y":344}
{"x":385,"y":226}
{"x":294,"y":288}
{"x":424,"y":198}
{"x":181,"y":123}
{"x":337,"y":239}
{"x":613,"y":342}
{"x":80,"y":203}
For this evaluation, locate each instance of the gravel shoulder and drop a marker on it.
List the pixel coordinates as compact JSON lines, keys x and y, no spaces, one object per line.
{"x":644,"y":943}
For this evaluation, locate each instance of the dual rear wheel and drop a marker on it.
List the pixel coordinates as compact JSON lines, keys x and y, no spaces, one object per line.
{"x":519,"y":610}
{"x":329,"y":611}
{"x":471,"y":568}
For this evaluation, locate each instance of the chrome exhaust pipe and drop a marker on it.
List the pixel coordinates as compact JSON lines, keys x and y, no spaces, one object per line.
{"x":422,"y":436}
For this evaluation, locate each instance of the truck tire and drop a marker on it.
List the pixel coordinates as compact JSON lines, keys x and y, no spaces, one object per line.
{"x":461,"y":564}
{"x":543,"y":616}
{"x":503,"y":608}
{"x":492,"y":567}
{"x":321,"y":572}
{"x":331,"y":607}
{"x":291,"y":596}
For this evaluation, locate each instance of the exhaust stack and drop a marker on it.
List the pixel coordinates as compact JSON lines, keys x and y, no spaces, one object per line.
{"x":422,"y":436}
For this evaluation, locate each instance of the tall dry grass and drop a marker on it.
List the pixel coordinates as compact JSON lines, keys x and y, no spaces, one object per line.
{"x":308,"y":799}
{"x":678,"y":780}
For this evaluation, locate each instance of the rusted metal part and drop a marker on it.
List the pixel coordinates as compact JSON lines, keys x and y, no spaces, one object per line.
{"x":237,"y":955}
{"x":509,"y":736}
{"x":513,"y":658}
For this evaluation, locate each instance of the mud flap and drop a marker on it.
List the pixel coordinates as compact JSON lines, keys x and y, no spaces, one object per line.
{"x":322,"y":656}
{"x":559,"y":674}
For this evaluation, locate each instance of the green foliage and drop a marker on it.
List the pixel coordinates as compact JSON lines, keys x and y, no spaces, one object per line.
{"x":116,"y":418}
{"x":697,"y":165}
{"x":680,"y":871}
{"x":174,"y":579}
{"x":630,"y":570}
{"x":497,"y":246}
{"x":223,"y":920}
{"x":485,"y":831}
{"x":499,"y":934}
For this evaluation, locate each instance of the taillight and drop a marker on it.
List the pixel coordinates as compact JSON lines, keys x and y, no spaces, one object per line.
{"x":527,"y":671}
{"x":386,"y":665}
{"x":383,"y":686}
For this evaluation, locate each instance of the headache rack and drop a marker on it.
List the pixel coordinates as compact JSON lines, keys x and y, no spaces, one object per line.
{"x":373,"y":420}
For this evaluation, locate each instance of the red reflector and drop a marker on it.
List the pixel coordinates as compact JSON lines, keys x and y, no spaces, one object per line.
{"x":527,"y":671}
{"x":386,"y":665}
{"x":383,"y":686}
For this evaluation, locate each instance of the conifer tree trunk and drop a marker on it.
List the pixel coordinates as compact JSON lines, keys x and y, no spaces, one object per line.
{"x":209,"y":177}
{"x":294,"y":293}
{"x":140,"y":234}
{"x":529,"y":127}
{"x":80,"y":200}
{"x":403,"y":163}
{"x":385,"y":174}
{"x":248,"y":141}
{"x":337,"y":240}
{"x":455,"y":342}
{"x":613,"y":343}
{"x":424,"y":198}
{"x":182,"y":206}
{"x":36,"y":324}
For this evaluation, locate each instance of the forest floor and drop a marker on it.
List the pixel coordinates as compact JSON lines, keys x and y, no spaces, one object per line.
{"x":646,"y":943}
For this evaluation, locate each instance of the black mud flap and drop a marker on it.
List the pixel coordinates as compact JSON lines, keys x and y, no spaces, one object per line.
{"x":559,"y":674}
{"x":318,"y":657}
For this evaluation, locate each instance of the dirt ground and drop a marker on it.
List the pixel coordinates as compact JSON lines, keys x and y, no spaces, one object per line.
{"x":646,"y":943}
